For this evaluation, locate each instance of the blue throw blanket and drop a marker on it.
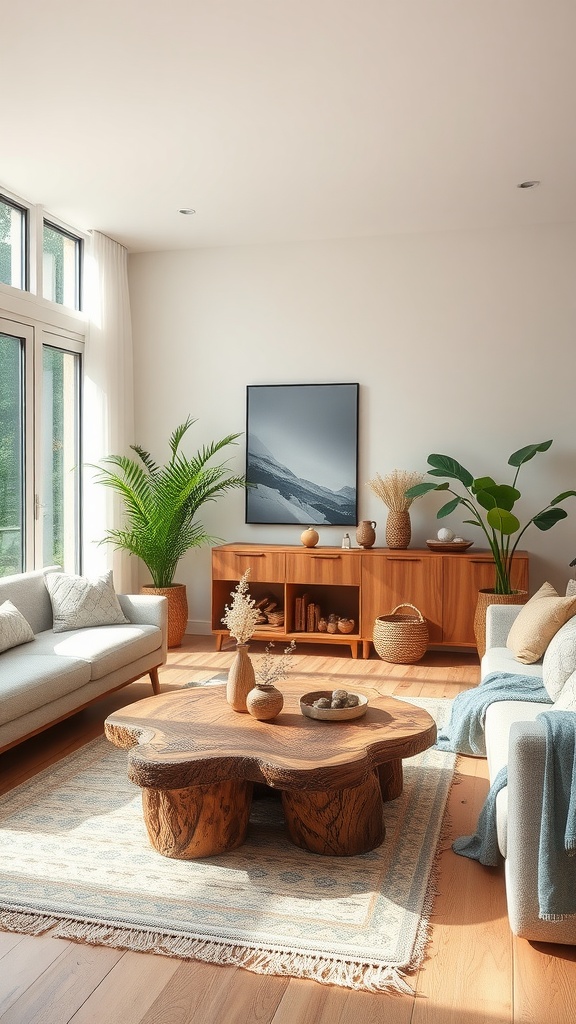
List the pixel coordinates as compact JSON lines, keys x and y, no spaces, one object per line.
{"x":557,"y":843}
{"x":464,"y":733}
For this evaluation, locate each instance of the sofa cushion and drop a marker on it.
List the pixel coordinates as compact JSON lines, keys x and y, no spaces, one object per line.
{"x":559,"y":661}
{"x":79,"y":602}
{"x":499,"y":717}
{"x":566,"y":700}
{"x":501,"y":659}
{"x":27,"y":591}
{"x":14,"y":628}
{"x":108,"y":648}
{"x":31,"y":677}
{"x":537,"y":622}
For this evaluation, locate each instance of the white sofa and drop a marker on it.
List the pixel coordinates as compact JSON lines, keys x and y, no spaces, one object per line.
{"x":58,"y":673}
{"x":515,"y":738}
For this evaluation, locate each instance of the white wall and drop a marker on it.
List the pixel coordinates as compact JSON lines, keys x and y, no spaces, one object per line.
{"x":463,"y":343}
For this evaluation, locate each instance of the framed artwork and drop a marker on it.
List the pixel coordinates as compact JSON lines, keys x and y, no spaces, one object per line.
{"x":302,"y":454}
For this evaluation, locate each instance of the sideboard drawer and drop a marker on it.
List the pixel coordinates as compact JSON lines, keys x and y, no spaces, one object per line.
{"x":329,"y":566}
{"x":231,"y":564}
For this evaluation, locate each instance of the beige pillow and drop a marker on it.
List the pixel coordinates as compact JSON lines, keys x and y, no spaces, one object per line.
{"x":537,"y":622}
{"x":571,"y":588}
{"x":14,"y":628}
{"x":79,"y":602}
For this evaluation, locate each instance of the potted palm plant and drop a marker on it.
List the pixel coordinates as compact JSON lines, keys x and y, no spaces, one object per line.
{"x":491,"y":507}
{"x":161,"y":505}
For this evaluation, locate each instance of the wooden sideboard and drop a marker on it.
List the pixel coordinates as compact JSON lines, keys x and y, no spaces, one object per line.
{"x":359,"y":584}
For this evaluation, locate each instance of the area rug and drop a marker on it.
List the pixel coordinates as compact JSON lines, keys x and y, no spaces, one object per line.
{"x":75,"y":857}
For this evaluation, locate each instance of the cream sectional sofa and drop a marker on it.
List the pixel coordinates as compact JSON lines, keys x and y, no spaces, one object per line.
{"x":514,"y":737}
{"x":56,"y":674}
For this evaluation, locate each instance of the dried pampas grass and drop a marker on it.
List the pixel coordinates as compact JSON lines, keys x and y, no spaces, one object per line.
{"x":391,"y":488}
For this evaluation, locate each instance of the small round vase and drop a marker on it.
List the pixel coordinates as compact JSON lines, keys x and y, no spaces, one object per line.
{"x":398,"y":529}
{"x":264,"y":702}
{"x":366,"y":533}
{"x":241,"y":679}
{"x":310,"y":537}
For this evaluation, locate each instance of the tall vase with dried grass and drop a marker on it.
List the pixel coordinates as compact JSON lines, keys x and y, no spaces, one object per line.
{"x":391,"y":489}
{"x":240,"y":618}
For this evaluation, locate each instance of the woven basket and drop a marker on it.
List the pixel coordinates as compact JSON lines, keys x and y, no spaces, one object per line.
{"x":401,"y":639}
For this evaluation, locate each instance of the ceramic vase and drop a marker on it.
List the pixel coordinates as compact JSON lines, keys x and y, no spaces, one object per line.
{"x":241,"y":679}
{"x":366,"y":533}
{"x":310,"y":537}
{"x":264,"y":702}
{"x":398,"y":529}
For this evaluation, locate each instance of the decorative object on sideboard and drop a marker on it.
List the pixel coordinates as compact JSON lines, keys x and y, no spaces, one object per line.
{"x":392,"y":489}
{"x":399,"y":638}
{"x":366,"y":533}
{"x":265,"y":700}
{"x":346,"y":545}
{"x":491,"y":507}
{"x":241,"y":619}
{"x":161,"y":505}
{"x":310,"y":537}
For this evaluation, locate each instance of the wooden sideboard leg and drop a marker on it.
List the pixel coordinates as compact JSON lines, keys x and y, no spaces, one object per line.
{"x":155,"y":680}
{"x":218,"y":641}
{"x":391,"y":779}
{"x":336,"y":823}
{"x":366,"y":648}
{"x":198,"y":821}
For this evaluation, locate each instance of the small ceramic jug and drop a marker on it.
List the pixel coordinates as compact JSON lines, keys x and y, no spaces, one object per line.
{"x":366,"y":533}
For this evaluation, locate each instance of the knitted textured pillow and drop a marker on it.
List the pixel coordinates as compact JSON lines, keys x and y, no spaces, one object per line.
{"x":559,"y":660}
{"x":79,"y":602}
{"x":537,"y":622}
{"x":14,"y":628}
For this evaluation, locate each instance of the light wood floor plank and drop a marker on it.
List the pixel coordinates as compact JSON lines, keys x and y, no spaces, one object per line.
{"x":126,"y":993}
{"x":544,"y":983}
{"x":64,"y":986}
{"x":24,"y":964}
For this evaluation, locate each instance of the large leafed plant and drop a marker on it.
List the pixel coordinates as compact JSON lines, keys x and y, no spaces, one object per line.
{"x":161,"y":502}
{"x":491,"y":506}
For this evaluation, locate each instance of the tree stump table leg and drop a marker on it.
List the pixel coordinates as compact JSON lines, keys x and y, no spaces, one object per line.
{"x":336,"y":823}
{"x":198,"y":821}
{"x":391,"y":779}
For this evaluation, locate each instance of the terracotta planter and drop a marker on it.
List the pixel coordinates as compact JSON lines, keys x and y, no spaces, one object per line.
{"x":241,"y":679}
{"x":177,"y":609}
{"x":486,"y":597}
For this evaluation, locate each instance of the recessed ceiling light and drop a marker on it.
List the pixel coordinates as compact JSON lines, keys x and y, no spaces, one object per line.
{"x":528,"y":184}
{"x":187,"y":211}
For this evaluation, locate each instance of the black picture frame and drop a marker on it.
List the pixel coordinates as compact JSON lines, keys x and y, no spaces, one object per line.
{"x":302,"y":454}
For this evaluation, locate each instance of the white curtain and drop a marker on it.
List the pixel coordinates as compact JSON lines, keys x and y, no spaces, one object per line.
{"x":108,"y":411}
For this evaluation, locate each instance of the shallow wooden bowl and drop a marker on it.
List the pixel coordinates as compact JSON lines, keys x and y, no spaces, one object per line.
{"x":441,"y":545}
{"x":331,"y":714}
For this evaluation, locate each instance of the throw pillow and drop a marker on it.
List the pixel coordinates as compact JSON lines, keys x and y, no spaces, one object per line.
{"x":537,"y":622}
{"x":566,"y":701}
{"x":79,"y":602}
{"x":559,"y":660}
{"x":571,"y":588}
{"x":14,"y":628}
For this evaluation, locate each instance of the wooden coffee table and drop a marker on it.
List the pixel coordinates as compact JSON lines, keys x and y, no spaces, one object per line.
{"x":197,"y":760}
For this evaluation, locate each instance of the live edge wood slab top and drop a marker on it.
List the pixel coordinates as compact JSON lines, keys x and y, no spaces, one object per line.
{"x":196,"y":761}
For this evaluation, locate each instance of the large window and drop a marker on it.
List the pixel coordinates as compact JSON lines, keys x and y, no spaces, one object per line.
{"x":12,"y":522}
{"x":41,"y":348}
{"x":61,"y":266}
{"x":13,"y":232}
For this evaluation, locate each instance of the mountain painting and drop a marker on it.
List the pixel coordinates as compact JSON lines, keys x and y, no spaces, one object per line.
{"x":302,"y":454}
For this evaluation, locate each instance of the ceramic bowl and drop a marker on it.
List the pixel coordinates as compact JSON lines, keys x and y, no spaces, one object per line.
{"x":331,"y":714}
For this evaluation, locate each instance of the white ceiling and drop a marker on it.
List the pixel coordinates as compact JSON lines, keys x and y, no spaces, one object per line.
{"x":283,"y":120}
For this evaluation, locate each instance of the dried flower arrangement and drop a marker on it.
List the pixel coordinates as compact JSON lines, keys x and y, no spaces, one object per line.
{"x":242,"y":615}
{"x":392,"y":488}
{"x":272,"y":668}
